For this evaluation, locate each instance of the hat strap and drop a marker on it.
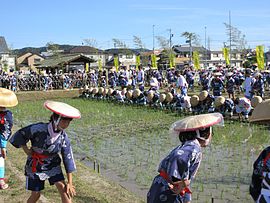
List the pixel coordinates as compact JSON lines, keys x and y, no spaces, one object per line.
{"x":199,"y":135}
{"x":56,"y":123}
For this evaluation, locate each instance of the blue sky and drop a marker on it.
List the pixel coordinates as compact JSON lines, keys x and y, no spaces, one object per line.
{"x":34,"y":23}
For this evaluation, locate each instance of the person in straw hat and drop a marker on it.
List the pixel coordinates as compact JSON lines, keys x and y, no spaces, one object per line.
{"x":217,"y":84}
{"x":223,"y":105}
{"x":242,"y":107}
{"x":258,"y":85}
{"x":230,"y":85}
{"x":178,"y":169}
{"x":206,"y":102}
{"x":48,"y":141}
{"x":7,"y":99}
{"x":260,"y":181}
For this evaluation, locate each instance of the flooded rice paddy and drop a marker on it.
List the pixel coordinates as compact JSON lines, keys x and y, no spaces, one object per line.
{"x":128,"y":142}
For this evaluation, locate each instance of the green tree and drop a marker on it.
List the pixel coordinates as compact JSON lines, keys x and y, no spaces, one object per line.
{"x":138,"y":42}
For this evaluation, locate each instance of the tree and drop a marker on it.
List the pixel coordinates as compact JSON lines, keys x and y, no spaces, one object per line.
{"x":91,"y":42}
{"x":53,"y":48}
{"x":191,"y":38}
{"x":163,"y":42}
{"x":118,"y":43}
{"x":236,"y":39}
{"x":138,"y":42}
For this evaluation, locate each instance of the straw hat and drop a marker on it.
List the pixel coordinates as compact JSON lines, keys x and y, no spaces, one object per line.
{"x":100,"y":90}
{"x":62,"y":109}
{"x":7,"y":98}
{"x":261,"y":113}
{"x":194,"y":100}
{"x":110,"y":91}
{"x":162,"y":97}
{"x":169,"y":97}
{"x":217,"y":74}
{"x":255,"y":101}
{"x":193,"y":123}
{"x":136,"y":93}
{"x":229,"y":74}
{"x":129,"y":94}
{"x":95,"y":90}
{"x":153,"y":82}
{"x":105,"y":92}
{"x":203,"y":95}
{"x":90,"y":89}
{"x":257,"y":75}
{"x":150,"y":95}
{"x":86,"y":87}
{"x":124,"y":91}
{"x":220,"y":100}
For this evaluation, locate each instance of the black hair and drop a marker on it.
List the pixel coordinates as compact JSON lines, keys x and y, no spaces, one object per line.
{"x":54,"y":117}
{"x":192,"y":135}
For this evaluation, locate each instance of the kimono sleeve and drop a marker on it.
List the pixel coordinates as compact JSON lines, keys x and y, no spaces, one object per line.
{"x":21,"y":137}
{"x":67,"y":156}
{"x":6,"y":127}
{"x":179,"y":166}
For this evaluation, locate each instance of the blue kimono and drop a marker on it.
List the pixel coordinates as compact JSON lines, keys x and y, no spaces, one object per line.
{"x":48,"y":144}
{"x":181,"y":164}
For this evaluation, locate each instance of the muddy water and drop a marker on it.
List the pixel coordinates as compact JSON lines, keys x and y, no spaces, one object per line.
{"x":224,"y":174}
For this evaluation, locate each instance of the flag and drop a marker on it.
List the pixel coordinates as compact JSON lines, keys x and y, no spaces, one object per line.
{"x":138,"y":62}
{"x":87,"y":67}
{"x":154,"y":61}
{"x":116,"y":63}
{"x":260,"y":57}
{"x":196,"y":59}
{"x":172,"y":60}
{"x":99,"y":65}
{"x":226,"y":55}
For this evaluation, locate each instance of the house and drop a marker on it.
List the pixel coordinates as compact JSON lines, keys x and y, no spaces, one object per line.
{"x":66,"y":63}
{"x":7,"y":61}
{"x":217,"y":58}
{"x":97,"y":55}
{"x":126,"y":57}
{"x":28,"y":61}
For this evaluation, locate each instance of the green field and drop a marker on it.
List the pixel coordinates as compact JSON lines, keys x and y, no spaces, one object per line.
{"x":128,"y":142}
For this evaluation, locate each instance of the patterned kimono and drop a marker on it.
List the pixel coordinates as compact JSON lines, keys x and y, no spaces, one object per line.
{"x":6,"y":123}
{"x":181,"y":164}
{"x":45,"y":161}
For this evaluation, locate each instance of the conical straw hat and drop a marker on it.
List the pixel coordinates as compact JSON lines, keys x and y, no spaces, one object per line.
{"x":203,"y":95}
{"x":162,"y":97}
{"x":193,"y":123}
{"x":220,"y":100}
{"x":100,"y":90}
{"x":194,"y":100}
{"x":110,"y":91}
{"x":136,"y":93}
{"x":129,"y":94}
{"x":95,"y":90}
{"x":169,"y":97}
{"x":90,"y":89}
{"x":255,"y":101}
{"x":105,"y":92}
{"x":261,"y":113}
{"x":150,"y":95}
{"x":7,"y":98}
{"x":62,"y":109}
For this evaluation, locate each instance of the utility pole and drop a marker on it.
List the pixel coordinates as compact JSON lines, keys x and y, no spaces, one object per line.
{"x":153,"y":38}
{"x":171,"y":35}
{"x":205,"y":52}
{"x":230,"y":37}
{"x":190,"y":50}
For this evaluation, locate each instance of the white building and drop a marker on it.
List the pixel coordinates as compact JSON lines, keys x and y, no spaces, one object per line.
{"x":7,"y":61}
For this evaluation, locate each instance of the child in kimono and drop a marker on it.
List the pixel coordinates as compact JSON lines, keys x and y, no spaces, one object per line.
{"x":7,"y":99}
{"x":48,"y":141}
{"x":178,"y":169}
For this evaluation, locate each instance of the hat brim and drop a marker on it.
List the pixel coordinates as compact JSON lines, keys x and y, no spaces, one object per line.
{"x":62,"y":109}
{"x":193,"y":123}
{"x":7,"y":98}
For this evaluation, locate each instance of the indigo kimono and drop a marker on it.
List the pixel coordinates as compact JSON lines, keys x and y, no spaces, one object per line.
{"x":48,"y":144}
{"x":182,"y":164}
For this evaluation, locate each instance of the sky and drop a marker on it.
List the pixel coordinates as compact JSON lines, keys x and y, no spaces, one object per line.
{"x":34,"y":23}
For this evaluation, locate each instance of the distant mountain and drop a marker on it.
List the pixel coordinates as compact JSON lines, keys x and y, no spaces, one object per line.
{"x":38,"y":50}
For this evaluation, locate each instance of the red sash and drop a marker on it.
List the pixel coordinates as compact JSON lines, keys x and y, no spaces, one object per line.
{"x":37,"y":158}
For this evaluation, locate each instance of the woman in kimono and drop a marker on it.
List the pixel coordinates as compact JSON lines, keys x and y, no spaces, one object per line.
{"x":7,"y":99}
{"x":178,"y":169}
{"x":48,"y":141}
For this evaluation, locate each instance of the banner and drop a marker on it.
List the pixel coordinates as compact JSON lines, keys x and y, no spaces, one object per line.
{"x":196,"y":60}
{"x":99,"y":65}
{"x":172,"y":60}
{"x":87,"y":67}
{"x":116,"y":63}
{"x":226,"y":55}
{"x":138,"y":62}
{"x":260,"y":57}
{"x":154,"y":61}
